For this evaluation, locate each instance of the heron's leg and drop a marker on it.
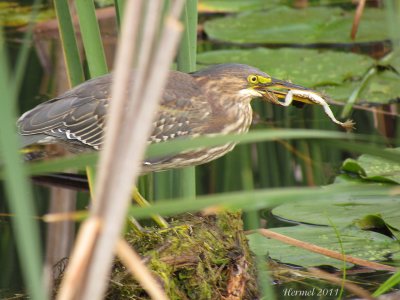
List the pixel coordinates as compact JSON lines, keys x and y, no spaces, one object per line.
{"x":90,"y":174}
{"x":139,"y":199}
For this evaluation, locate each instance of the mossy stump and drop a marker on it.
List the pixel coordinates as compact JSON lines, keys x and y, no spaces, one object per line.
{"x":199,"y":257}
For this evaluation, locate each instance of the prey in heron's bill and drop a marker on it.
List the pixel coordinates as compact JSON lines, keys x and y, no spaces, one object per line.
{"x":278,"y":90}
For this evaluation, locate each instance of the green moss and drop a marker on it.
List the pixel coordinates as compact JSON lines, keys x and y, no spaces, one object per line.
{"x":192,"y":259}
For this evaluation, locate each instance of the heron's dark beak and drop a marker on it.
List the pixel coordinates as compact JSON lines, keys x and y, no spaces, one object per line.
{"x":278,"y":89}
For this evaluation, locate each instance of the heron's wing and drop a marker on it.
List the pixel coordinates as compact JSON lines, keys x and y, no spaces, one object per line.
{"x":183,"y":109}
{"x":183,"y":112}
{"x":77,"y":115}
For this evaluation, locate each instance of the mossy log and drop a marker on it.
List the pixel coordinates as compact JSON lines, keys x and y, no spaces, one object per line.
{"x":198,"y":257}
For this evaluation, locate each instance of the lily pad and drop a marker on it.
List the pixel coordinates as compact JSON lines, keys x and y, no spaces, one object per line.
{"x":374,"y":168}
{"x":14,"y":15}
{"x":343,"y":209}
{"x":378,"y":224}
{"x":235,"y":5}
{"x":342,"y":92}
{"x":382,"y":87}
{"x":355,"y":242}
{"x":284,"y":25}
{"x":384,"y":84}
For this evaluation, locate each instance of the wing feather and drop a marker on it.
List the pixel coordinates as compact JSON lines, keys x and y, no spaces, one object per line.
{"x":79,"y":114}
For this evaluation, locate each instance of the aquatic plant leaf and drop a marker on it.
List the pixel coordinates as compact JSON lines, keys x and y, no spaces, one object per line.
{"x":355,"y":242}
{"x":344,"y":209}
{"x":374,"y":168}
{"x":285,"y":25}
{"x":235,"y":5}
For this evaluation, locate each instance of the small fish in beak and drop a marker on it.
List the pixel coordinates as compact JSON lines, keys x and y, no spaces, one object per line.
{"x":279,"y":89}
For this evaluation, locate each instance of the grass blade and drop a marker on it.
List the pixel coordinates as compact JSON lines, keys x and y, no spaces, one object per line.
{"x":91,"y":38}
{"x":388,"y":284}
{"x":69,"y":44}
{"x":18,"y":191}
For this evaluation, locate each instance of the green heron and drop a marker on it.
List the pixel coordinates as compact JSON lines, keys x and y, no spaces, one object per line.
{"x":212,"y":101}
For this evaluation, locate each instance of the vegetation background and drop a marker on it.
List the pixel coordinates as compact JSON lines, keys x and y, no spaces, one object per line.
{"x":307,"y":42}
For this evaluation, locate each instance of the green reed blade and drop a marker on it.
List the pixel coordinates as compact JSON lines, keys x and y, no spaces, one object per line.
{"x":19,"y":195}
{"x":91,"y":38}
{"x":69,"y":44}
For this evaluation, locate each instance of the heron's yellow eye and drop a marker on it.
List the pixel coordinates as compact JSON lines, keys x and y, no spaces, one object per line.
{"x":252,"y":79}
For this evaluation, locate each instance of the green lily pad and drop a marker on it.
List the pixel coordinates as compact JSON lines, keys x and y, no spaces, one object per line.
{"x":342,"y":92}
{"x":374,"y":168}
{"x":284,"y":25}
{"x":355,"y":242}
{"x":377,"y":223}
{"x":343,"y":209}
{"x":382,"y":87}
{"x":235,"y":5}
{"x":14,"y":15}
{"x":352,"y":166}
{"x":384,"y":84}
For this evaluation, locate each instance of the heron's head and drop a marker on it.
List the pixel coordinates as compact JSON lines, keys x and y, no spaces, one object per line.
{"x":243,"y":82}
